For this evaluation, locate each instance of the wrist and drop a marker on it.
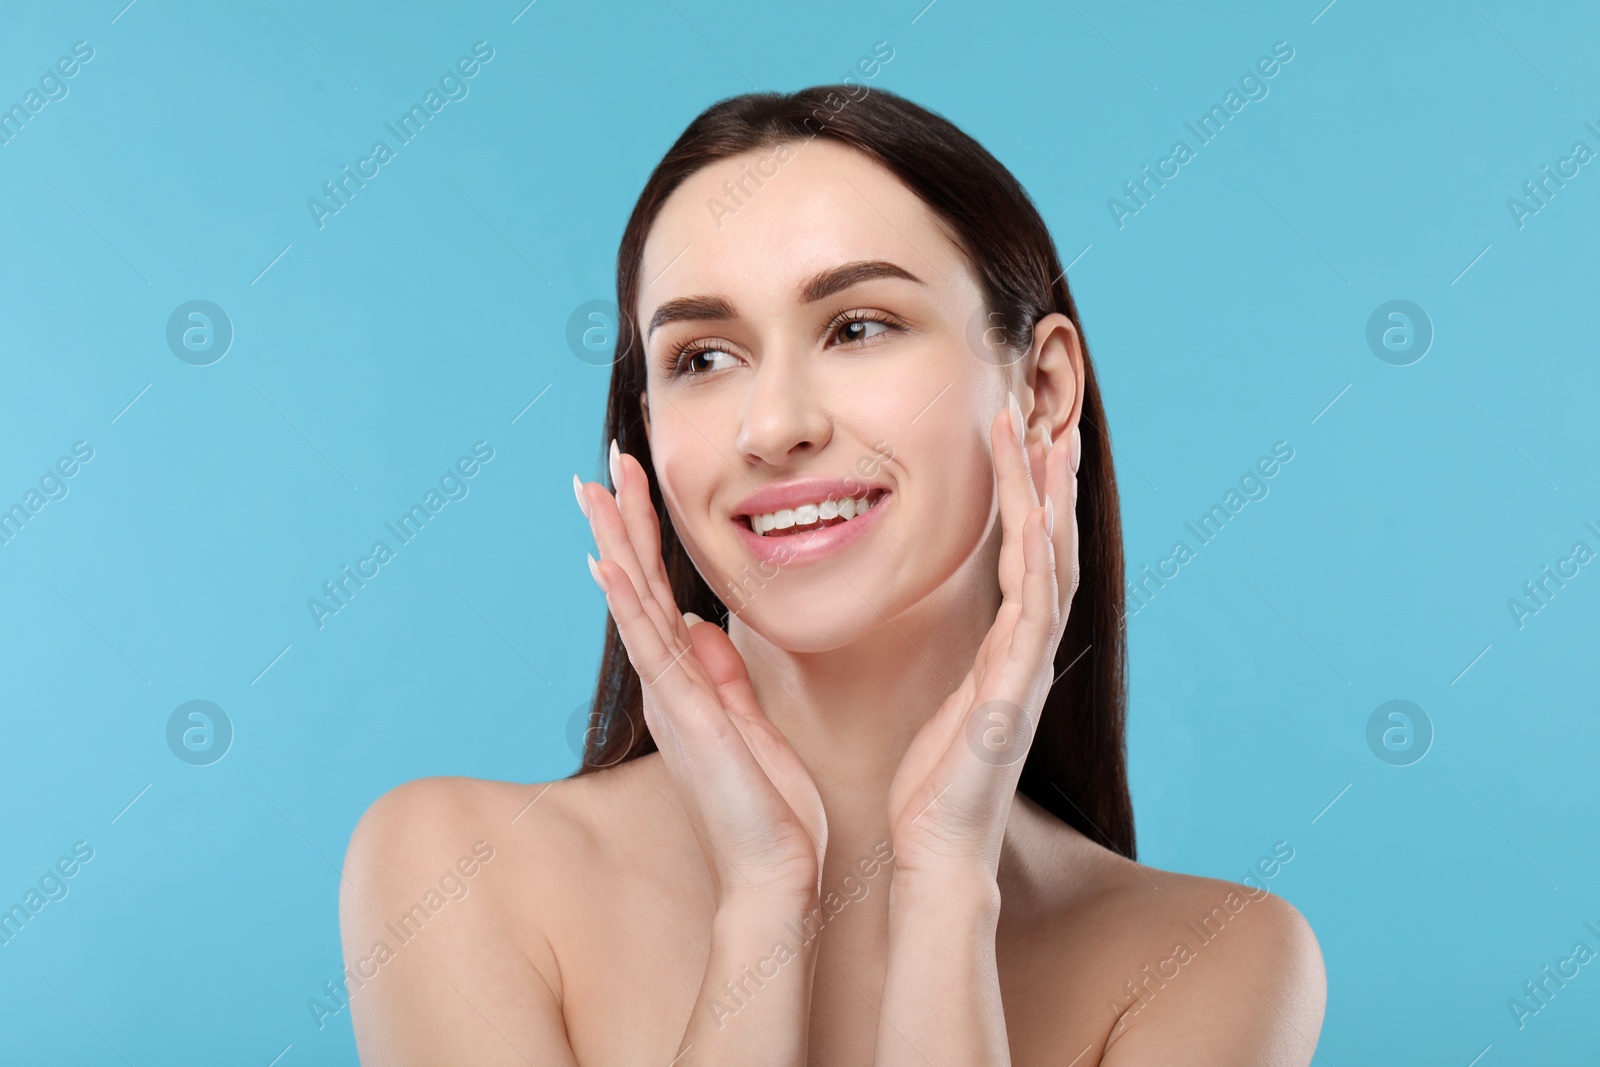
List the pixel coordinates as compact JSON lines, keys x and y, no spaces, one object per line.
{"x":943,"y":926}
{"x":750,"y":926}
{"x":743,"y":906}
{"x":951,"y":895}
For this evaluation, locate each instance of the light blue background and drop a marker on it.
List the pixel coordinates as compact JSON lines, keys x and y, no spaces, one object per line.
{"x":1226,"y":315}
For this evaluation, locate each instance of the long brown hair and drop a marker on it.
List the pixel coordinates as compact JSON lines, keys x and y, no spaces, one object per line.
{"x":1077,"y":766}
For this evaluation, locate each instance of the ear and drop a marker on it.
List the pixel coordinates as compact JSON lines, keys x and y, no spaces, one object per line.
{"x":644,"y":407}
{"x":1054,"y":380}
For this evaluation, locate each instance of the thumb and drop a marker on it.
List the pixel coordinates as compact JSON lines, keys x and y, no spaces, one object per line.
{"x":722,"y":663}
{"x":727,"y":671}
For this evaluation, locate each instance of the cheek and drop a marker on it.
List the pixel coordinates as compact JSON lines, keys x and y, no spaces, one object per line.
{"x":951,"y":487}
{"x":685,"y":461}
{"x":970,"y":497}
{"x":686,"y":469}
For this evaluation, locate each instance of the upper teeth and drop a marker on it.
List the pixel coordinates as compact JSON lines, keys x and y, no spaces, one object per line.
{"x":806,"y":514}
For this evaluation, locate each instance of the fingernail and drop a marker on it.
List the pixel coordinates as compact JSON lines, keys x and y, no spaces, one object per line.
{"x":690,"y":618}
{"x":1077,"y":449}
{"x":616,"y":466}
{"x":577,"y":491}
{"x":594,"y":569}
{"x":1016,"y":415}
{"x":1049,"y":517}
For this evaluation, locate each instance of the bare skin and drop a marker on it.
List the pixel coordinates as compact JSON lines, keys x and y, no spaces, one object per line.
{"x":585,"y":940}
{"x":656,"y":912}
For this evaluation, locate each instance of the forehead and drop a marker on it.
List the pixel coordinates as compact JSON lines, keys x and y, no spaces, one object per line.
{"x":722,"y":233}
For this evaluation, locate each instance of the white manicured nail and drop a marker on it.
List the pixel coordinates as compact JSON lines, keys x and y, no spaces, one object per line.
{"x":577,"y":491}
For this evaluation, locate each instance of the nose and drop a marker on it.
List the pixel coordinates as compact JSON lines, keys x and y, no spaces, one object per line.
{"x":784,"y":413}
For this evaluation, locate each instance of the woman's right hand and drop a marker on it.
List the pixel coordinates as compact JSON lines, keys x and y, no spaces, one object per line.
{"x":754,"y":807}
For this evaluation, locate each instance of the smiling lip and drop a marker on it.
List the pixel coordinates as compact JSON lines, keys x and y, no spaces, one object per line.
{"x":802,"y":491}
{"x":799,"y":548}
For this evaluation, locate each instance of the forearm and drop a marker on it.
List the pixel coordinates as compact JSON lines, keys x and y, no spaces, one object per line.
{"x":754,"y":1005}
{"x":941,"y":990}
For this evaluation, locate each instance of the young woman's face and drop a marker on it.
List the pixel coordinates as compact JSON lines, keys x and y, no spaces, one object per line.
{"x":810,"y":337}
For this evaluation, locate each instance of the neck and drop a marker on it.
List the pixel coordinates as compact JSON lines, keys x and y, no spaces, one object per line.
{"x":851,"y":712}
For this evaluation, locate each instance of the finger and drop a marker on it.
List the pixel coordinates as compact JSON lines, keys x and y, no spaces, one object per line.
{"x":1061,"y":484}
{"x":1020,"y":446}
{"x":1033,"y":641}
{"x":726,"y":672}
{"x":1020,"y":674}
{"x":1010,"y":564}
{"x":959,"y":703}
{"x":1015,"y":489}
{"x":671,"y":675}
{"x":1038,"y":464}
{"x":998,"y":638}
{"x":986,"y":649}
{"x":612,"y":537}
{"x":931,"y":745}
{"x":724,"y":668}
{"x":644,"y":532}
{"x":1020,"y":671}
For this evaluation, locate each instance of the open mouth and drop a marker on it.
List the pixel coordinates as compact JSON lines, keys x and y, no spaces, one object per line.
{"x":808,"y":517}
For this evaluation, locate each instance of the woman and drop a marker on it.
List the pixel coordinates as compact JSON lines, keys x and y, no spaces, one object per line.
{"x":888,"y":820}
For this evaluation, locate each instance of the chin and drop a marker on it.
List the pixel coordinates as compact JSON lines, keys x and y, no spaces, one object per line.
{"x":805,"y":629}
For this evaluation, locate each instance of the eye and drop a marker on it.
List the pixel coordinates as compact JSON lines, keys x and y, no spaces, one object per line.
{"x":680,"y":361}
{"x":854,"y":326}
{"x":851,"y":328}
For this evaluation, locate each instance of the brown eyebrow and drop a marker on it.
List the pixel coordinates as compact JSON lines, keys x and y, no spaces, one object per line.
{"x":819,"y":287}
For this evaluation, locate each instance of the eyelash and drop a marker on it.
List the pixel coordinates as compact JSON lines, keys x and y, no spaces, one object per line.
{"x":678,"y":357}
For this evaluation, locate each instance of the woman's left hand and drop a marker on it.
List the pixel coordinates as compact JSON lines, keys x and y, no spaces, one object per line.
{"x":950,"y":797}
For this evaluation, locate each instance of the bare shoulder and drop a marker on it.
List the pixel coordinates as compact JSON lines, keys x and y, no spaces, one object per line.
{"x":1199,"y":970}
{"x":450,"y":890}
{"x":418,"y":821}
